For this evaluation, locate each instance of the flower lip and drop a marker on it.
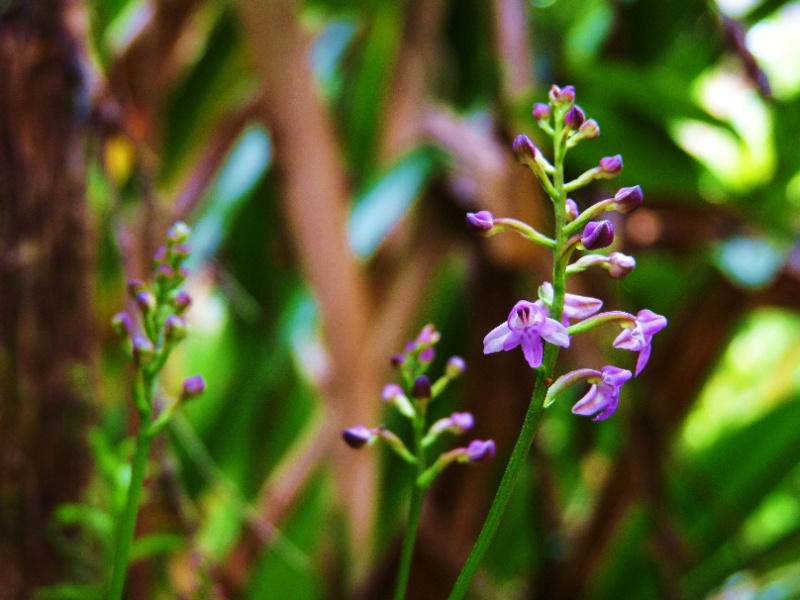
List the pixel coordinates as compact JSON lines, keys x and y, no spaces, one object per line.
{"x":639,"y":338}
{"x":597,"y":234}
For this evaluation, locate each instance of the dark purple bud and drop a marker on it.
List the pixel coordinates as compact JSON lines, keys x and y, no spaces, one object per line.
{"x":590,"y":130}
{"x":628,"y":199}
{"x":565,"y":95}
{"x":524,"y":149}
{"x":134,"y":287}
{"x":146,"y":302}
{"x":181,"y":302}
{"x":619,"y":265}
{"x":541,"y":112}
{"x":427,"y":355}
{"x":143,"y":350}
{"x":122,"y":324}
{"x":572,"y":210}
{"x":422,"y":388}
{"x":455,"y":367}
{"x":398,"y":359}
{"x":480,"y":222}
{"x":175,"y":329}
{"x":597,"y":234}
{"x":574,"y":118}
{"x":611,"y":166}
{"x":481,"y":451}
{"x":193,"y":387}
{"x":358,"y":436}
{"x":178,"y":233}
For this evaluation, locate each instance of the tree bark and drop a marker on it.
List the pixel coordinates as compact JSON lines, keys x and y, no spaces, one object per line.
{"x":46,"y":341}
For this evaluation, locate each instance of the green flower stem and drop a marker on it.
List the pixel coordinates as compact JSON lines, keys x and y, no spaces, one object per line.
{"x":127,"y":524}
{"x":415,"y":509}
{"x":525,"y":231}
{"x":144,"y":391}
{"x":533,"y":418}
{"x":515,"y":465}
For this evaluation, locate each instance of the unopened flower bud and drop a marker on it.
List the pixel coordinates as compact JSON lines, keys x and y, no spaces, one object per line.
{"x":524,"y":149}
{"x":572,"y":210}
{"x":610,"y":167}
{"x":146,"y":302}
{"x":398,"y":359}
{"x":427,"y":355}
{"x":590,"y":130}
{"x":628,"y":199}
{"x":181,"y":301}
{"x":422,"y":388}
{"x":160,"y":255}
{"x":179,"y":253}
{"x":193,"y":387}
{"x":358,"y":436}
{"x":597,"y":234}
{"x":480,"y":222}
{"x":143,"y":350}
{"x":481,"y":451}
{"x":462,"y":421}
{"x":122,"y":324}
{"x":175,"y":329}
{"x":134,"y":287}
{"x":178,"y":233}
{"x":541,"y":112}
{"x":164,"y":273}
{"x":565,"y":95}
{"x":455,"y":367}
{"x":574,"y":118}
{"x":619,"y":265}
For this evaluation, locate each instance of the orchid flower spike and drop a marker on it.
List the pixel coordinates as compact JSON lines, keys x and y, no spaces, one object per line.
{"x":527,"y":324}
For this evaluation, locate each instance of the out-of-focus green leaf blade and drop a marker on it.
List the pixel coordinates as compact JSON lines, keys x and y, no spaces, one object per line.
{"x":379,"y":207}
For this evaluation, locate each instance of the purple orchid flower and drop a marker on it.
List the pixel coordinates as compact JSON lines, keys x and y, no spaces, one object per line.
{"x":602,"y":398}
{"x":575,"y":306}
{"x":639,"y":337}
{"x":527,"y":324}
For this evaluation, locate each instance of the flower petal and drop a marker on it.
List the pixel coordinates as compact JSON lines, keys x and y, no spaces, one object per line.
{"x":580,"y":307}
{"x":493,"y":342}
{"x":630,"y":339}
{"x":590,"y":403}
{"x":555,"y":333}
{"x":650,"y":322}
{"x":513,"y":339}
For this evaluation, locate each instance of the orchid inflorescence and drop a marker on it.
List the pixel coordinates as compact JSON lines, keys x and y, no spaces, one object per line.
{"x":412,"y":399}
{"x":556,"y":315}
{"x":161,"y":307}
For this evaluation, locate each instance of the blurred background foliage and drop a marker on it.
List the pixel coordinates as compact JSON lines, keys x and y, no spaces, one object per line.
{"x":325,"y":154}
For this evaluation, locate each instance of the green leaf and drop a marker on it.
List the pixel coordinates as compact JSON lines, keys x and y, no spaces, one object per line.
{"x":380,"y":206}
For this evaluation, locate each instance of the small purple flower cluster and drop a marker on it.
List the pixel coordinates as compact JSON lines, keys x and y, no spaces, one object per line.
{"x":412,"y":399}
{"x":161,"y":309}
{"x":556,"y":316}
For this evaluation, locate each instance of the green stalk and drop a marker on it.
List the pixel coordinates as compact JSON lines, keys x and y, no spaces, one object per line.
{"x":535,"y":412}
{"x":415,"y":508}
{"x":127,"y":526}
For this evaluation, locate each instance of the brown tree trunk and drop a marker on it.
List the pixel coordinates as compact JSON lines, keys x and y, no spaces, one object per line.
{"x":46,"y":342}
